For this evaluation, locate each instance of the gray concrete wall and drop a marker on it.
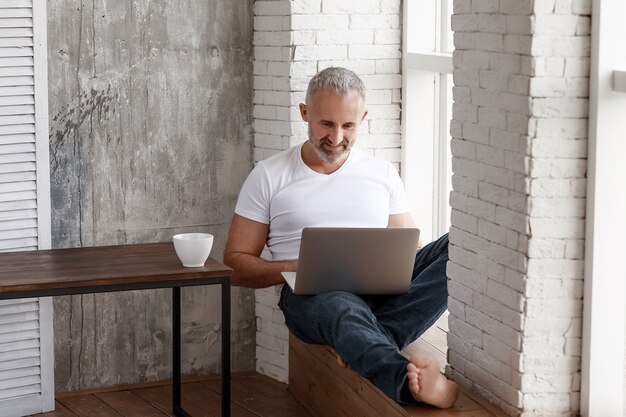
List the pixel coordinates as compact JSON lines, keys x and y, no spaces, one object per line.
{"x":150,"y":135}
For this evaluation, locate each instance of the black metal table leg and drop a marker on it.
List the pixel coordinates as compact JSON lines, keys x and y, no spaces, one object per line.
{"x":177,"y":408}
{"x":226,"y":348}
{"x":176,"y":347}
{"x":176,"y":358}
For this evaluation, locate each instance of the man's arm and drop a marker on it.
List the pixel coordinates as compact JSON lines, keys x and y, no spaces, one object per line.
{"x":403,"y":220}
{"x":246,"y":240}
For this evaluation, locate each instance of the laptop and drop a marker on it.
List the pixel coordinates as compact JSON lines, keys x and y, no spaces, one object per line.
{"x":359,"y":260}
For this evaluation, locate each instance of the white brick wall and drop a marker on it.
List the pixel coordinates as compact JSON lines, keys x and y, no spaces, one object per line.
{"x":272,"y":337}
{"x":293,"y":40}
{"x":518,"y":201}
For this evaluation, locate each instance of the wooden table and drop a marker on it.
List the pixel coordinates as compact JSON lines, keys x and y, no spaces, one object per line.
{"x":120,"y":268}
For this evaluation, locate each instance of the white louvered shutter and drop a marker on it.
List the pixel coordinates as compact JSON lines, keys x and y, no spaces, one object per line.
{"x":26,"y":348}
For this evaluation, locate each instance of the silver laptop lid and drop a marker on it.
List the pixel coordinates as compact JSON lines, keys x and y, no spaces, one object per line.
{"x":359,"y":260}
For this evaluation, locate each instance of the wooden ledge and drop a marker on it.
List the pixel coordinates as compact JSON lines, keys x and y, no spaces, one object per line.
{"x":327,"y":390}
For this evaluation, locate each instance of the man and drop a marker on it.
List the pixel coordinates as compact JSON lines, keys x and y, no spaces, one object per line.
{"x":324,"y":182}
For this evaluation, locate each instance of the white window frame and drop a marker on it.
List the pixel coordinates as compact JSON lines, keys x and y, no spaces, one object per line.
{"x":425,"y":114}
{"x":604,"y":321}
{"x":44,"y":221}
{"x":40,"y":48}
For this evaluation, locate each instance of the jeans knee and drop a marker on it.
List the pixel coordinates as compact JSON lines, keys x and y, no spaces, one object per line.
{"x":346,"y":311}
{"x":325,"y":317}
{"x":338,"y":301}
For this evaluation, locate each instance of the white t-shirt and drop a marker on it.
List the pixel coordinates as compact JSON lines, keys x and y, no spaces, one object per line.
{"x":285,"y":193}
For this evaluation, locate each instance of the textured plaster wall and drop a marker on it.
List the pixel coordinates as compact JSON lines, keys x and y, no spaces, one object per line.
{"x":150,"y":135}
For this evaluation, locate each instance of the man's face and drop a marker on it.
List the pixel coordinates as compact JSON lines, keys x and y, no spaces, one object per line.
{"x":333,"y":122}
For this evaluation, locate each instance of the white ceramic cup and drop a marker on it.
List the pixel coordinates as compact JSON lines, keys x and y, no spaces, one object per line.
{"x":193,"y":249}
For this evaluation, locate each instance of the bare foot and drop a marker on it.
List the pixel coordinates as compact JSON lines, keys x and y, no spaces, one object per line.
{"x":428,"y":385}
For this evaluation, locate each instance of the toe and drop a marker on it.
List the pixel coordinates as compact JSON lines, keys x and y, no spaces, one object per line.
{"x":421,"y":361}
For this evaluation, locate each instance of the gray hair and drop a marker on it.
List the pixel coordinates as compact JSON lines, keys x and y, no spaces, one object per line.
{"x":340,"y":80}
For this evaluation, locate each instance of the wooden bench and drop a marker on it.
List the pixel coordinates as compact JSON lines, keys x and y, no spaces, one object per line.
{"x":327,"y":390}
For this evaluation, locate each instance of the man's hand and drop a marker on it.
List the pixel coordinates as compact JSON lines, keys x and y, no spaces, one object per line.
{"x":340,"y":361}
{"x":403,"y":220}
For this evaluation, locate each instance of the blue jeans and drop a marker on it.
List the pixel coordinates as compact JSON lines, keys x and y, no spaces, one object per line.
{"x":368,"y":332}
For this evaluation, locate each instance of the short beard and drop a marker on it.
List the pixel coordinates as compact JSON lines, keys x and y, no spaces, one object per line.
{"x":331,"y":157}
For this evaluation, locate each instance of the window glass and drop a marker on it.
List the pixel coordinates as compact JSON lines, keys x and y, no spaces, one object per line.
{"x":427,"y":110}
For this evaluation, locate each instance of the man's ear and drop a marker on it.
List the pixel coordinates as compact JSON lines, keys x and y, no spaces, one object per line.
{"x":303,"y":112}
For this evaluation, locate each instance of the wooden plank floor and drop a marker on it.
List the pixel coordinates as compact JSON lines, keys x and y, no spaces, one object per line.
{"x":252,"y":394}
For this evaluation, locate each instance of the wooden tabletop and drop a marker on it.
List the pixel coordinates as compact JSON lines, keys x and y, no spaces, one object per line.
{"x":102,"y":266}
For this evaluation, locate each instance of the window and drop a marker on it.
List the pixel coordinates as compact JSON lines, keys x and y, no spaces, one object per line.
{"x":426,"y":114}
{"x":603,"y":385}
{"x":427,"y":110}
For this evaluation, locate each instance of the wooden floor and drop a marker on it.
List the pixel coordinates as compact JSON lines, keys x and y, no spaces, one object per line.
{"x":253,"y":395}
